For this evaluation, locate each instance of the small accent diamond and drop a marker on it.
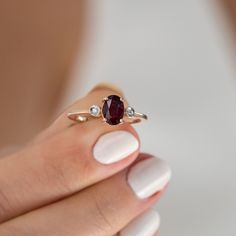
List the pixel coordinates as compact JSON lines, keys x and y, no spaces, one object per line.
{"x":130,"y":111}
{"x":95,"y":110}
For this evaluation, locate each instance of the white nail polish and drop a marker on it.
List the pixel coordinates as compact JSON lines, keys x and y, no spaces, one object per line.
{"x":115,"y":146}
{"x":145,"y":225}
{"x":149,"y":176}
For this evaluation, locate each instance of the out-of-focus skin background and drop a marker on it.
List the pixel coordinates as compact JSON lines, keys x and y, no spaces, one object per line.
{"x":39,"y":41}
{"x":175,"y":60}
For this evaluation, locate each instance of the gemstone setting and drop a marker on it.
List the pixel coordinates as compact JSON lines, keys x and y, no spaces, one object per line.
{"x":113,"y":110}
{"x":95,"y":110}
{"x":130,"y":112}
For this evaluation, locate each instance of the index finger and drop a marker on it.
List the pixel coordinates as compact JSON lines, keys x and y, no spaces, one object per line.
{"x":64,"y":161}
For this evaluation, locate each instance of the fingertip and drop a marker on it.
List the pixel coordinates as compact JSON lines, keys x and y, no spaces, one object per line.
{"x":148,"y":176}
{"x":115,"y":146}
{"x":145,"y":224}
{"x":107,"y":86}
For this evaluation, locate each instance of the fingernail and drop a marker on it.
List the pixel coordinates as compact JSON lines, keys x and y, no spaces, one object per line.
{"x":148,"y":177}
{"x":145,"y":225}
{"x":115,"y":146}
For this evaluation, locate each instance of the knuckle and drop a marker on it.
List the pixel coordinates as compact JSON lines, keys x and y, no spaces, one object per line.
{"x":67,"y":156}
{"x":103,"y":212}
{"x":67,"y":165}
{"x":5,"y":206}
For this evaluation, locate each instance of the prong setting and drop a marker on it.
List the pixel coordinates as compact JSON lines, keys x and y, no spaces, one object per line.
{"x":95,"y":110}
{"x":121,"y":121}
{"x":104,"y":99}
{"x":113,"y":109}
{"x":130,"y":112}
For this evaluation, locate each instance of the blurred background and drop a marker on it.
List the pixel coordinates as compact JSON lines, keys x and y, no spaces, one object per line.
{"x":175,"y":60}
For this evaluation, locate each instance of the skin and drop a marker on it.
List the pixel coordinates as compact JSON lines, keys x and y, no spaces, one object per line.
{"x":54,"y":186}
{"x":44,"y":176}
{"x":40,"y":41}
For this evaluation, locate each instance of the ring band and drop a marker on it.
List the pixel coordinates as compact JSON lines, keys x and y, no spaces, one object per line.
{"x":113,"y":112}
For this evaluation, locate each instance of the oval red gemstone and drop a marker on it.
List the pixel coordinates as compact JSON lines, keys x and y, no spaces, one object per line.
{"x":113,"y":110}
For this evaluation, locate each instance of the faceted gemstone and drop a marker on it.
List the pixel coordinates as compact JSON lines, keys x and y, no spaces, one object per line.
{"x":130,"y":112}
{"x":113,"y":110}
{"x":94,"y":110}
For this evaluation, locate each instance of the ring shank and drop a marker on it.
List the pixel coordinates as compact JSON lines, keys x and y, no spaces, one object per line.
{"x":80,"y":116}
{"x":83,"y":116}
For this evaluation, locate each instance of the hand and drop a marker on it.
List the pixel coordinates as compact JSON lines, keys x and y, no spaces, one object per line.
{"x":87,"y":179}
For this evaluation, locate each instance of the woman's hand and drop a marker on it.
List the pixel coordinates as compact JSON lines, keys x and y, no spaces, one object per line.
{"x":87,"y":179}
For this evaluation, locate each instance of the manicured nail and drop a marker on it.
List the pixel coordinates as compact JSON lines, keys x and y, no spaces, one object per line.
{"x":145,"y":225}
{"x":115,"y":146}
{"x":149,"y":176}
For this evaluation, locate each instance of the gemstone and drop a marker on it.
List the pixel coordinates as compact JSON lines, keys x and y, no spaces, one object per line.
{"x":130,"y":111}
{"x":94,"y":110}
{"x":113,"y":110}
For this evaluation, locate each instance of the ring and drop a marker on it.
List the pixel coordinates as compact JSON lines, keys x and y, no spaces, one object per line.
{"x":112,"y":111}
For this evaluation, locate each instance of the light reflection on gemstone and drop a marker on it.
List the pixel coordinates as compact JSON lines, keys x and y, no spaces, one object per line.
{"x":130,"y":112}
{"x":113,"y":110}
{"x":95,"y":110}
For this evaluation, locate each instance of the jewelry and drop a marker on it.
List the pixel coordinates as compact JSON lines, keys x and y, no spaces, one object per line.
{"x":113,"y":112}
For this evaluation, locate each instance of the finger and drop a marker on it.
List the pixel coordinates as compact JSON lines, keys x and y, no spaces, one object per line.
{"x":145,"y":224}
{"x":64,"y":163}
{"x":102,"y":209}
